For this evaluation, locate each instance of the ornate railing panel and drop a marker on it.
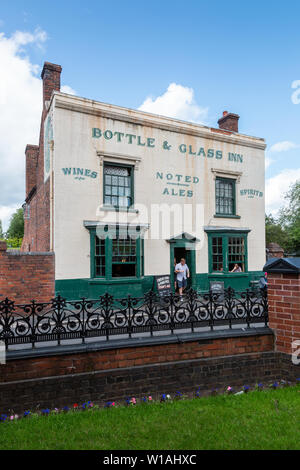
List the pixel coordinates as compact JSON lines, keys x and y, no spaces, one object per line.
{"x":65,"y":321}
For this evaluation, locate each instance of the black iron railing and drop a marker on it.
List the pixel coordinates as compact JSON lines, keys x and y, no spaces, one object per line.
{"x":62,"y":321}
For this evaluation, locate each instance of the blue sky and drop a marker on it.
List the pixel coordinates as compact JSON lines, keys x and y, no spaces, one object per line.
{"x":235,"y":56}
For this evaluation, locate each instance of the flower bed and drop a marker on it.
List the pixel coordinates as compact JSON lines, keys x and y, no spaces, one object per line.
{"x":133,"y":401}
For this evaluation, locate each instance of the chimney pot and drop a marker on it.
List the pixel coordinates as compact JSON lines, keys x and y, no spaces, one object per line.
{"x":229,"y":122}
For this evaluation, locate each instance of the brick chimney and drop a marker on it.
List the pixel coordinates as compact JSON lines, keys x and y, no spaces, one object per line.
{"x":51,"y":80}
{"x":31,"y":154}
{"x":229,"y":122}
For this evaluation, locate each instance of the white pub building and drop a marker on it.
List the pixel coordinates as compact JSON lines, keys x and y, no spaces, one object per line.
{"x":119,"y":195}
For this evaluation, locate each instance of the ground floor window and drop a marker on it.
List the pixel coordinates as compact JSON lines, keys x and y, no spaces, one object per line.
{"x":117,"y":255}
{"x":99,"y":258}
{"x":227,"y":252}
{"x":124,"y":257}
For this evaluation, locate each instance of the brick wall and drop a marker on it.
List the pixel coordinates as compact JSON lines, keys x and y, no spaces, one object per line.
{"x":103,"y":360}
{"x":26,"y":276}
{"x":37,"y":226}
{"x":63,"y":379}
{"x":284,"y":309}
{"x":31,"y":155}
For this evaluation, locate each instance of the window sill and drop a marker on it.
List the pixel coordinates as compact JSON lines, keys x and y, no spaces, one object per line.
{"x":119,"y":209}
{"x":228,"y":274}
{"x":115,"y":280}
{"x":226,"y":216}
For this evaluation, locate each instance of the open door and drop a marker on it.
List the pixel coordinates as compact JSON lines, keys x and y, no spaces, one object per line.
{"x":181,"y":252}
{"x":182,"y":246}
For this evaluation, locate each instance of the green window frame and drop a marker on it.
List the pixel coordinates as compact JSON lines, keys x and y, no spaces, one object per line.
{"x":118,"y":188}
{"x":225,"y":190}
{"x":116,"y":257}
{"x":99,"y":257}
{"x":124,"y":256}
{"x":227,"y":249}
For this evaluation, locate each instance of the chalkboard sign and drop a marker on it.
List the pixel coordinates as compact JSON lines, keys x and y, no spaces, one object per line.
{"x":163,"y":284}
{"x":217,"y":287}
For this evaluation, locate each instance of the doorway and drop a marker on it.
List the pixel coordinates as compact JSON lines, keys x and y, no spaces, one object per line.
{"x":181,"y":252}
{"x":183,"y":246}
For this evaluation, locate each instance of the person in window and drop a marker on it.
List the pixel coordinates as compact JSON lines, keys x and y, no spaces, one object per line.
{"x":236,"y":269}
{"x":182,"y":273}
{"x":221,"y":268}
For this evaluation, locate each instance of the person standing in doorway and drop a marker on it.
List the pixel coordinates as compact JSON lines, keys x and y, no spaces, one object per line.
{"x":182,"y":274}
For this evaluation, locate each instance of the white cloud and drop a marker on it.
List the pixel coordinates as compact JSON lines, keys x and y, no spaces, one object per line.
{"x":268,"y":162}
{"x":283,"y":146}
{"x":277,"y":186}
{"x":177,"y":102}
{"x":20,"y":114}
{"x":67,"y":89}
{"x":5,"y":214}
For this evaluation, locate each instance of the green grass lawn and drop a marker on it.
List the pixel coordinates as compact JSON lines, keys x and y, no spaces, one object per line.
{"x":257,"y":420}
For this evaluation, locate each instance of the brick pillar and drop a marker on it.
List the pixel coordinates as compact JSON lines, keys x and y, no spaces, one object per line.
{"x":284,"y":301}
{"x":3,"y":246}
{"x":51,"y":80}
{"x":31,"y":153}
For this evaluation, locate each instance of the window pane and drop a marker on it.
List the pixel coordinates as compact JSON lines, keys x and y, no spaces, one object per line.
{"x":124,"y":257}
{"x":217,"y":254}
{"x":224,"y":197}
{"x":117,"y":182}
{"x":236,"y":253}
{"x":99,"y":257}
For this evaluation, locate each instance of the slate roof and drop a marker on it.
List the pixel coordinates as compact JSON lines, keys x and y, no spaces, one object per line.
{"x":282,"y":265}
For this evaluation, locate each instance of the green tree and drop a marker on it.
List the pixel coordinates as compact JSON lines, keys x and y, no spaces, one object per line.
{"x":275,"y":232}
{"x":1,"y":231}
{"x":289,"y":217}
{"x":16,"y":225}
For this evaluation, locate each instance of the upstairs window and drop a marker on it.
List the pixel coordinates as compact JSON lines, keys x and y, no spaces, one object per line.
{"x":225,"y":196}
{"x":118,"y":186}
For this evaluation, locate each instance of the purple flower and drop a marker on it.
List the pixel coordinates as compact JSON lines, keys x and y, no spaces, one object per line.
{"x":3,"y":418}
{"x":274,"y":385}
{"x":66,"y":409}
{"x":109,"y":404}
{"x":45,"y":412}
{"x":246,"y":388}
{"x":26,"y":414}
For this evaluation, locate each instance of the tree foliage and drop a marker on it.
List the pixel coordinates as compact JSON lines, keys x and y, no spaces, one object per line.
{"x":274,"y":232}
{"x":16,"y":225}
{"x":285,"y":230}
